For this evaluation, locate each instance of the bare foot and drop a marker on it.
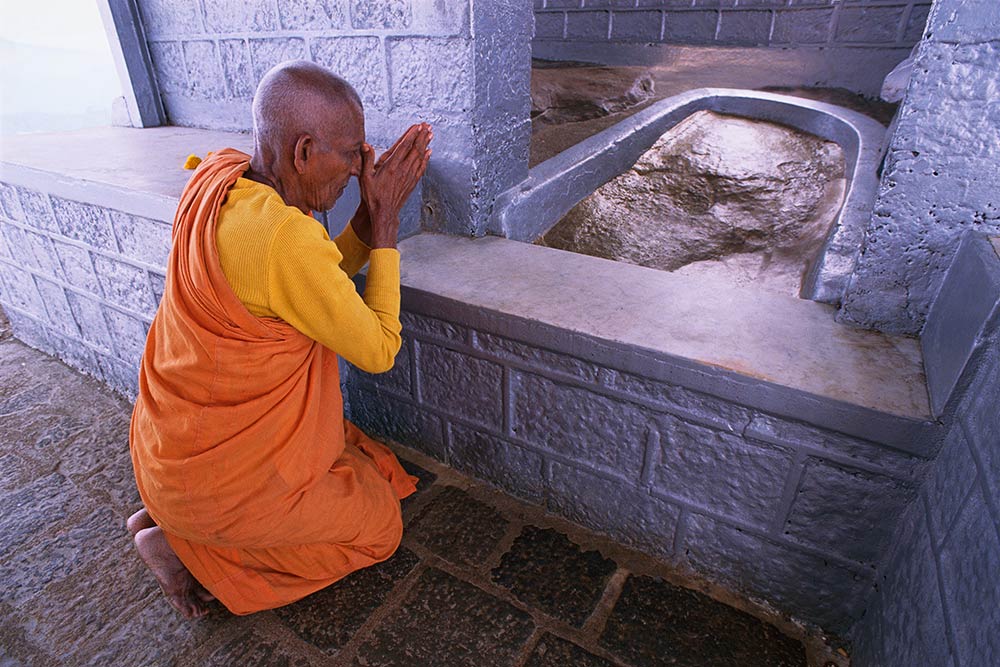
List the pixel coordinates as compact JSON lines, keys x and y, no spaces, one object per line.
{"x":139,"y":521}
{"x":183,"y":591}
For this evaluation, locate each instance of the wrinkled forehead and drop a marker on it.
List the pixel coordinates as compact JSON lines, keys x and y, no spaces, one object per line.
{"x":343,"y":125}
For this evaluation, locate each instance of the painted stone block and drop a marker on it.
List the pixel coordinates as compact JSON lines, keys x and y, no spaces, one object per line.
{"x":460,"y":385}
{"x":85,"y":223}
{"x":142,"y":239}
{"x":235,"y":57}
{"x":128,"y":334}
{"x":499,"y":462}
{"x":585,"y":426}
{"x":869,"y":24}
{"x":382,"y":415}
{"x":633,"y":516}
{"x":241,"y":16}
{"x":802,"y":27}
{"x":381,"y":14}
{"x":78,"y":267}
{"x":56,"y":306}
{"x":204,"y":71}
{"x":312,"y":14}
{"x":125,"y":285}
{"x":636,"y":26}
{"x":418,"y":81}
{"x":89,"y":318}
{"x":846,"y":511}
{"x":505,"y":348}
{"x":266,"y":53}
{"x":721,"y":471}
{"x":360,"y":60}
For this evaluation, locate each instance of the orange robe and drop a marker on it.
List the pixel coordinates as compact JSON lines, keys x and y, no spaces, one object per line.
{"x":241,"y":452}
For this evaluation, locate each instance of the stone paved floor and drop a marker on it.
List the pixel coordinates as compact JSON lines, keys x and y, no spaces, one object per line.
{"x":481,"y":579}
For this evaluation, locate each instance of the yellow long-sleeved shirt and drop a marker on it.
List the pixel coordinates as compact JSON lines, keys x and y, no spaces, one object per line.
{"x":281,"y":263}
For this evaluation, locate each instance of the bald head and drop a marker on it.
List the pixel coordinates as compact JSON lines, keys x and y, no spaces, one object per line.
{"x":298,"y":97}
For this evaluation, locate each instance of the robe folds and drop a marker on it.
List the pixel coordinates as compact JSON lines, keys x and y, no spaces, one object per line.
{"x":241,"y":452}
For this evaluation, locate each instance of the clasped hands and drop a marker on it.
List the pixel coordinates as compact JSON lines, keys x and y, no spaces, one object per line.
{"x":386,"y":184}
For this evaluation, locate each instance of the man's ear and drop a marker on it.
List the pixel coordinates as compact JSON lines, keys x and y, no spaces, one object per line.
{"x":303,"y":151}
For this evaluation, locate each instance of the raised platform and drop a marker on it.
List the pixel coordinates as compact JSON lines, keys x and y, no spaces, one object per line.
{"x":746,"y":436}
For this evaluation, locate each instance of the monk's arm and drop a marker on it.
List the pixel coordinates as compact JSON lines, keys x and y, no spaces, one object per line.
{"x":308,"y":289}
{"x":353,"y":250}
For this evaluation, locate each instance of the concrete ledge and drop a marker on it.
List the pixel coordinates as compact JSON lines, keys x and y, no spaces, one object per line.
{"x":960,"y":316}
{"x":772,"y":352}
{"x":528,"y":210}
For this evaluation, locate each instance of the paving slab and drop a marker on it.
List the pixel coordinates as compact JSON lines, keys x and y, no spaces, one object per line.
{"x":459,"y":528}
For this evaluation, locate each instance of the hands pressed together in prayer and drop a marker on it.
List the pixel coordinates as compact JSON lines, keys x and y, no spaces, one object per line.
{"x":386,"y":184}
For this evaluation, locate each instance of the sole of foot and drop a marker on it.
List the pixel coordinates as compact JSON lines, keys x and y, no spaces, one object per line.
{"x":182,"y":590}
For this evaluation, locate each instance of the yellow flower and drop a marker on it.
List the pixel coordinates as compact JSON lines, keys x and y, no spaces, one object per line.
{"x":192,"y":161}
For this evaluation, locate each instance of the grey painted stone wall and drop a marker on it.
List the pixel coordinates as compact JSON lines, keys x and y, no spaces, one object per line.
{"x":80,"y":281}
{"x":772,"y":507}
{"x":798,"y":23}
{"x":938,"y":596}
{"x":940,"y":177}
{"x":462,"y":66}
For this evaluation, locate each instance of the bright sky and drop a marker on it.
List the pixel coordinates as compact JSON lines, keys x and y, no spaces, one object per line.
{"x":70,"y":24}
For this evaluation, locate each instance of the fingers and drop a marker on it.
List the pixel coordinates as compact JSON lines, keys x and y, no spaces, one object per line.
{"x":367,"y":165}
{"x":416,"y":137}
{"x":392,"y":149}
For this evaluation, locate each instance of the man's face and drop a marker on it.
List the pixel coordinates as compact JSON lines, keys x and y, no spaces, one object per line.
{"x":335,"y":159}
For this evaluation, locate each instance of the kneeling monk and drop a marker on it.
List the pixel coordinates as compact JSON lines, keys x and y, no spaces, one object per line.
{"x":257,"y":492}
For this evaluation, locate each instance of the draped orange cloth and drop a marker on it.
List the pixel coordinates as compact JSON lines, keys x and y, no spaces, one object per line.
{"x":241,"y":452}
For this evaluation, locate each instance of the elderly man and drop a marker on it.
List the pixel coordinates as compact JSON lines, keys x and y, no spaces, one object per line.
{"x":257,"y":492}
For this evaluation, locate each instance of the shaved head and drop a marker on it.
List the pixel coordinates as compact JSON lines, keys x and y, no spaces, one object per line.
{"x":299,"y":97}
{"x":308,"y":131}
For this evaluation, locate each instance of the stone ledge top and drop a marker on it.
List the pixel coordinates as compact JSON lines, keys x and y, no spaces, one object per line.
{"x":139,"y":171}
{"x":773,"y":338}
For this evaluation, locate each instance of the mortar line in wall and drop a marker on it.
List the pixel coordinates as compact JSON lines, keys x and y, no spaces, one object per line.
{"x":770,"y":28}
{"x":834,"y":24}
{"x":791,"y":489}
{"x":113,"y":354}
{"x":992,"y":503}
{"x":507,"y":398}
{"x":904,"y":21}
{"x":936,"y":553}
{"x":415,"y":381}
{"x":680,"y":532}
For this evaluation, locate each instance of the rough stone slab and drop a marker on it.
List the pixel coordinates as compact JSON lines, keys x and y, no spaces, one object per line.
{"x":961,"y":310}
{"x":21,"y":292}
{"x":157,"y":283}
{"x":163,"y":18}
{"x":845,"y":510}
{"x":808,"y":26}
{"x":831,"y":596}
{"x":10,"y":203}
{"x":509,"y":466}
{"x":576,"y":423}
{"x":950,"y":481}
{"x":551,"y":651}
{"x":168,"y":65}
{"x":458,"y":527}
{"x":419,"y":84}
{"x":204,"y":70}
{"x":125,"y":285}
{"x":749,"y":27}
{"x":268,"y":52}
{"x":253,"y":649}
{"x":120,"y":376}
{"x":544,"y":360}
{"x":312,"y":15}
{"x":970,"y":560}
{"x":656,"y":623}
{"x":78,"y":267}
{"x":440,"y":18}
{"x":128,"y":333}
{"x":911,"y":615}
{"x":85,"y":223}
{"x":142,"y":239}
{"x":234,"y":55}
{"x":89,"y":317}
{"x":545,"y":570}
{"x":37,"y":211}
{"x":795,"y":434}
{"x":550,"y":25}
{"x":381,"y":414}
{"x":46,"y":259}
{"x":360,"y":61}
{"x":636,"y":26}
{"x":869,"y":24}
{"x":383,"y":15}
{"x":635,"y":517}
{"x":16,"y":239}
{"x":444,"y":621}
{"x":981,"y":419}
{"x":720,"y":471}
{"x":587,"y":25}
{"x":678,"y":400}
{"x":241,"y":16}
{"x":460,"y":385}
{"x":329,"y":618}
{"x":56,"y":306}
